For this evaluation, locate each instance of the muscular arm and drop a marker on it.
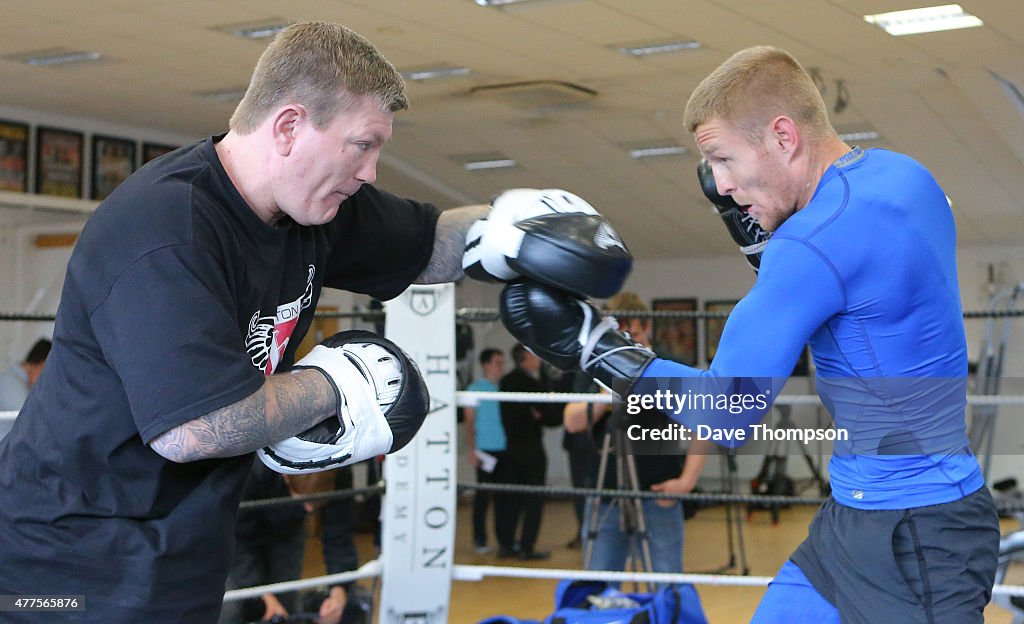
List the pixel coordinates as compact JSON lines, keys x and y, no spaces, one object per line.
{"x":284,"y":406}
{"x":445,"y":263}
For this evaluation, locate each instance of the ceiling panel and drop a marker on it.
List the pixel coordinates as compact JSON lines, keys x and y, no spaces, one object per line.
{"x":931,"y":96}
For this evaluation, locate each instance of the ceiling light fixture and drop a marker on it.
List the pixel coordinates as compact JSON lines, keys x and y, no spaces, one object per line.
{"x":652,"y":152}
{"x":231,"y":95}
{"x":48,"y":58}
{"x":435,"y":72}
{"x":869,"y":135}
{"x":483,"y":165}
{"x":497,"y":3}
{"x":259,"y":32}
{"x":924,"y":20}
{"x":660,"y":48}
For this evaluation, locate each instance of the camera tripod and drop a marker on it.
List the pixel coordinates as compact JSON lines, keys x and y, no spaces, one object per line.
{"x":773,"y":478}
{"x":631,"y":511}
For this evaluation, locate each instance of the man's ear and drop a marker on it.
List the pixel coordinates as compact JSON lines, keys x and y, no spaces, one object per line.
{"x":785,"y":135}
{"x":287,"y":123}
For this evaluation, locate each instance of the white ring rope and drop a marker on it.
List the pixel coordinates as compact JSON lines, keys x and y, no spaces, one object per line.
{"x":471,"y":399}
{"x":478,"y":573}
{"x":370,"y":569}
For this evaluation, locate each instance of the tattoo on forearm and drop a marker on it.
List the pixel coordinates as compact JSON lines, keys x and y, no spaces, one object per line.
{"x":449,"y":243}
{"x":284,"y":406}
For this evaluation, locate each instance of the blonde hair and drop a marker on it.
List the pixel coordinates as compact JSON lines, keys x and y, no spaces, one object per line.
{"x":753,"y":87}
{"x":322,"y":66}
{"x":626,"y":301}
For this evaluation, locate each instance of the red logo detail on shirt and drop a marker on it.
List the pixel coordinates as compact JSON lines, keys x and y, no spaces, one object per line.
{"x":268,"y":336}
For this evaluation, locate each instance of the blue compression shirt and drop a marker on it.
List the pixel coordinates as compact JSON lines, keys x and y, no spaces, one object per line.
{"x":865,"y":273}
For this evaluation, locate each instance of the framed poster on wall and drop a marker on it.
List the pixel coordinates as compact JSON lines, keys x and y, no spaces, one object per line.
{"x":714,"y":326}
{"x":155,"y":150}
{"x":675,"y":338}
{"x":58,"y":162}
{"x":113,"y":160}
{"x":13,"y":156}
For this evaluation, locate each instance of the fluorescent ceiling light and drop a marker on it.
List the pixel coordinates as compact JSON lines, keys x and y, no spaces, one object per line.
{"x":869,"y":135}
{"x":481,"y":165}
{"x":494,"y":3}
{"x":232,"y":95}
{"x":64,"y":57}
{"x":258,"y":32}
{"x":660,"y":48}
{"x":923,"y":20}
{"x":664,"y":150}
{"x":435,"y":72}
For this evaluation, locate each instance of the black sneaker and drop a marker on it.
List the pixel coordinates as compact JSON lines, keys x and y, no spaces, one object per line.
{"x":534,"y":555}
{"x":507,"y":553}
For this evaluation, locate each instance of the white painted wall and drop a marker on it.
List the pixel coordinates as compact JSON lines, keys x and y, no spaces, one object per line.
{"x":35,"y":279}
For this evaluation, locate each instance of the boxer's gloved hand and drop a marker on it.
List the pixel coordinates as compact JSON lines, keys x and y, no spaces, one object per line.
{"x":382,"y":401}
{"x":570,"y":334}
{"x":549,"y":235}
{"x":743,"y":228}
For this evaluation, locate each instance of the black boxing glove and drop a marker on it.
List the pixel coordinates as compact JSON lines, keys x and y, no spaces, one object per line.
{"x":570,"y":334}
{"x":743,"y":228}
{"x":549,"y":235}
{"x":382,"y":402}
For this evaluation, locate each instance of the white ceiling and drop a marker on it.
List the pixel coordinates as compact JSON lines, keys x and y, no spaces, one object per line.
{"x":932,"y":96}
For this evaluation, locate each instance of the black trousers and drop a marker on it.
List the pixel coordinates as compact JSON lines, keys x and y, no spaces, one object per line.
{"x":519,"y":515}
{"x":481,"y":501}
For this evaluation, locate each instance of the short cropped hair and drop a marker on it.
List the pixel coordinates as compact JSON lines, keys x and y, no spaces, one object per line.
{"x":322,"y":66}
{"x":519,"y":353}
{"x":488,"y":354}
{"x":626,"y":301}
{"x":39,"y":352}
{"x":753,"y":87}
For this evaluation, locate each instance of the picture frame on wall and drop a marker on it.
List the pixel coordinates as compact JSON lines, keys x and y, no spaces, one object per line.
{"x":675,"y":338}
{"x":113,"y":160}
{"x":151,"y":151}
{"x":13,"y":156}
{"x":714,"y":326}
{"x":59,"y":162}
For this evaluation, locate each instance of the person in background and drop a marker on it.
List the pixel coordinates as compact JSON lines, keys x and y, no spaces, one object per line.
{"x":658,"y":470}
{"x":485,"y":433}
{"x":16,"y":381}
{"x":518,"y":516}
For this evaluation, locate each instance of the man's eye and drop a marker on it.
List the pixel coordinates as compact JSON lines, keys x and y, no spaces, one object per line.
{"x":363,"y":145}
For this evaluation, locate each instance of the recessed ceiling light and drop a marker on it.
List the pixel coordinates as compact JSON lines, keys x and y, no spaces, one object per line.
{"x":229,"y":95}
{"x":432,"y":73}
{"x":868,"y":135}
{"x":663,"y":150}
{"x":259,"y":32}
{"x":497,"y":3}
{"x":56,"y":56}
{"x":263,"y":29}
{"x":482,"y":165}
{"x":923,"y":20}
{"x":663,"y":47}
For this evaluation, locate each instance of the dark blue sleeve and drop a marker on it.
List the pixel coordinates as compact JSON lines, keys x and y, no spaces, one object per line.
{"x":796,"y":292}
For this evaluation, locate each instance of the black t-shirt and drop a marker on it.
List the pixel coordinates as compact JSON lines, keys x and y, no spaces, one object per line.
{"x":177,"y":301}
{"x":651,"y":467}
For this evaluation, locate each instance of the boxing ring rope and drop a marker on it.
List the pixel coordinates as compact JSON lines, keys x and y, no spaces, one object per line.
{"x":472,"y":573}
{"x":370,"y":569}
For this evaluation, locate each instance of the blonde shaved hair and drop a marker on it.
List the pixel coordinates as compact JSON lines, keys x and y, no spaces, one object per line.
{"x":752,"y":88}
{"x":322,"y":66}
